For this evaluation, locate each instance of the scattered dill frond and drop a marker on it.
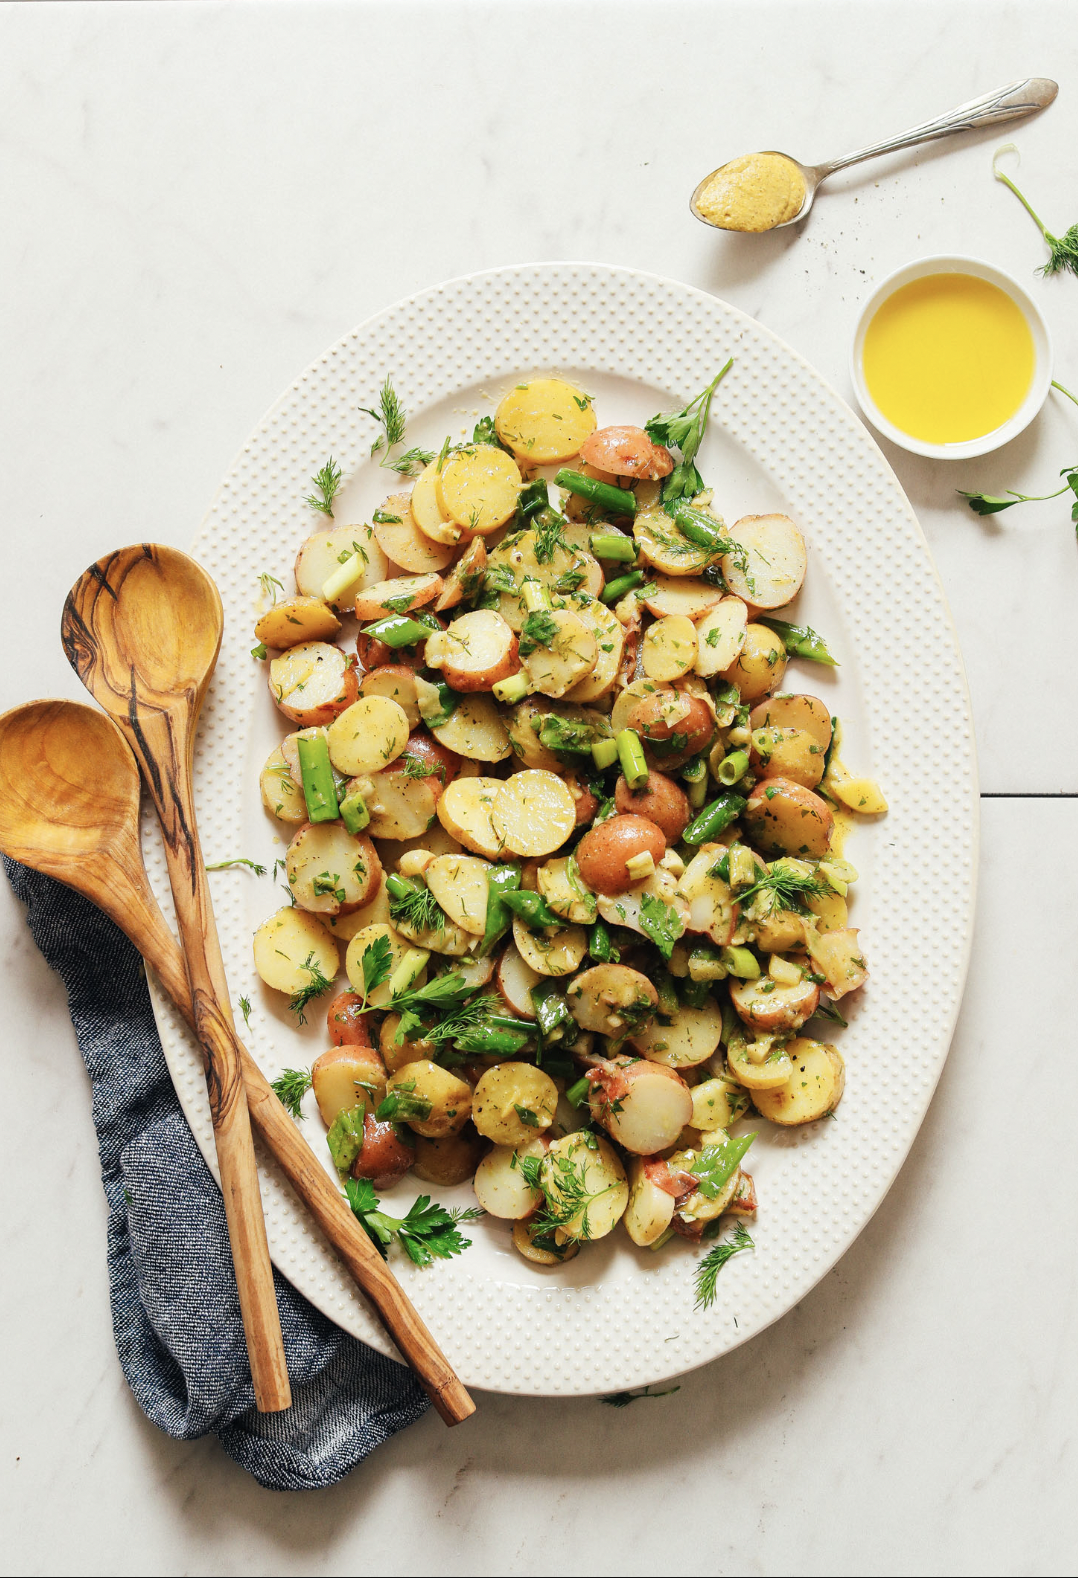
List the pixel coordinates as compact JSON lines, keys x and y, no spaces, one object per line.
{"x":245,"y":1010}
{"x":317,"y":984}
{"x":270,"y":587}
{"x":707,"y":1272}
{"x":419,"y":910}
{"x":291,"y":1087}
{"x":327,"y":483}
{"x":1062,"y":250}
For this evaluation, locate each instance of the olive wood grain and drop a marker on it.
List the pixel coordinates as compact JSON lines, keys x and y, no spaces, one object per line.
{"x":142,"y":629}
{"x":69,"y":797}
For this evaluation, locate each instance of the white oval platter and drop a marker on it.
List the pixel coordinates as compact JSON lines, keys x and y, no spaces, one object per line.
{"x":779,"y":439}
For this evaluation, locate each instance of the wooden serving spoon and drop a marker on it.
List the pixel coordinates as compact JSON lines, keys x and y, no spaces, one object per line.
{"x":69,"y":800}
{"x":142,"y":629}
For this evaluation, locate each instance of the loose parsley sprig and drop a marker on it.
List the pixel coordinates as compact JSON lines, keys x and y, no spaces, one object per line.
{"x":428,"y":1232}
{"x":291,"y":1087}
{"x":376,"y":965}
{"x":707,"y":1272}
{"x":1062,"y":250}
{"x":327,"y":483}
{"x":685,"y":431}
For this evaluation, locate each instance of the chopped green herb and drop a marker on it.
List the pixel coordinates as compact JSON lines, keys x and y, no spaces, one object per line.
{"x":291,"y":1087}
{"x":327,"y":482}
{"x":707,"y":1271}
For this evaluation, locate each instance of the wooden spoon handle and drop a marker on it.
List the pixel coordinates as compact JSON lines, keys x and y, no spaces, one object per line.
{"x":324,"y":1201}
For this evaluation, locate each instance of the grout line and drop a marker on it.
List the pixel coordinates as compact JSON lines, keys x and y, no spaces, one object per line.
{"x":1036,"y":794}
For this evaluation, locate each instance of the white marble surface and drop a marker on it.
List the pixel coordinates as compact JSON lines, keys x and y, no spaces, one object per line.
{"x":196,"y":200}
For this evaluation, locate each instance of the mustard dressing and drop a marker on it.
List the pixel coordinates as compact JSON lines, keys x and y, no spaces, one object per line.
{"x":949,"y":357}
{"x":754,"y":193}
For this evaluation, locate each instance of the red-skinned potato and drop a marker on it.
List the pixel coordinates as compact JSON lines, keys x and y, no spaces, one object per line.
{"x":785,"y":818}
{"x":397,"y":681}
{"x":603,"y":854}
{"x":476,"y":651}
{"x":385,"y":1157}
{"x":313,"y":683}
{"x":373,"y":653}
{"x":346,"y":1023}
{"x":672,"y":743}
{"x":435,"y":763}
{"x":340,"y":1077}
{"x":642,"y":1105}
{"x":586,"y":803}
{"x":661,"y":800}
{"x":626,"y":452}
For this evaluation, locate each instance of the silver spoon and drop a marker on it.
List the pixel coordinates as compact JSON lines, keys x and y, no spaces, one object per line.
{"x":1005,"y":104}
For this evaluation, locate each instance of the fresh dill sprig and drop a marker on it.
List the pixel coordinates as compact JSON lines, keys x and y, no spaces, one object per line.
{"x":328,"y":485}
{"x":411,"y":463}
{"x":786,"y":890}
{"x":623,"y":1399}
{"x":267,"y":583}
{"x":566,"y":1196}
{"x":547,"y":528}
{"x":291,"y":1087}
{"x":317,"y":984}
{"x":1062,"y":250}
{"x":419,"y":910}
{"x":415,"y":767}
{"x":707,"y":1272}
{"x":390,"y":417}
{"x":226,"y":865}
{"x":428,"y":1232}
{"x":245,"y":1010}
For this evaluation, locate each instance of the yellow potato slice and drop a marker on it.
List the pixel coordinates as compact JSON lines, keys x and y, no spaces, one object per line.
{"x":368,"y":735}
{"x":663,"y":547}
{"x":564,"y":892}
{"x":861,"y":794}
{"x":563,"y":571}
{"x":400,"y":807}
{"x":813,"y":1089}
{"x":720,"y":636}
{"x":686,"y":596}
{"x":353,"y":959}
{"x":774,"y":563}
{"x":669,"y":648}
{"x":552,"y":951}
{"x":296,"y":620}
{"x":323,"y":554}
{"x":690,"y":1039}
{"x":609,"y":636}
{"x":281,"y":795}
{"x":499,"y":1183}
{"x":464,"y":811}
{"x":475,"y":730}
{"x":467,"y":576}
{"x":427,"y":510}
{"x":544,"y":420}
{"x":533,"y":812}
{"x":344,"y":927}
{"x":597,"y":1180}
{"x":290,"y":946}
{"x":398,"y":596}
{"x":459,"y":883}
{"x":501,"y":1095}
{"x":398,"y":683}
{"x":478,"y":488}
{"x":570,"y":655}
{"x":401,"y":539}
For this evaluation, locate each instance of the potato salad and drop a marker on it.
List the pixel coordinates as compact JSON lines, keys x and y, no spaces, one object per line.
{"x":552,"y":810}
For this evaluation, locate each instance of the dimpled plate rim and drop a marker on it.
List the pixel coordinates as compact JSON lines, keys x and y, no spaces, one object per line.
{"x":484,"y":330}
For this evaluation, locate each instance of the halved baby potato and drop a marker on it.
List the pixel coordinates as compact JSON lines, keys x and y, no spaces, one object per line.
{"x":466,"y":576}
{"x":475,"y":729}
{"x":759,"y":666}
{"x":765,"y":1004}
{"x":379,"y":995}
{"x":312,"y":683}
{"x":565,"y":893}
{"x":400,"y":807}
{"x":789,"y":710}
{"x":563,"y":571}
{"x":814,"y":1088}
{"x":464,"y":811}
{"x":346,"y":1077}
{"x":478,"y":488}
{"x":609,"y":636}
{"x":720,"y":636}
{"x":681,"y":595}
{"x":713,"y":909}
{"x":330,"y":870}
{"x":476,"y":651}
{"x":837,"y":955}
{"x":398,"y":682}
{"x":642,"y":1105}
{"x":515,"y":980}
{"x":650,"y":1209}
{"x":533,"y":812}
{"x":295,"y":620}
{"x":611,"y":998}
{"x":449,"y":1097}
{"x":499,"y":1182}
{"x":570,"y":653}
{"x":459,"y":883}
{"x":787,"y":753}
{"x":513,"y":1102}
{"x":398,"y":596}
{"x":758,"y":1062}
{"x":544,"y":420}
{"x":769,"y":571}
{"x":290,"y":946}
{"x":402,"y":541}
{"x":323,"y":554}
{"x":662,"y":545}
{"x":669,"y":648}
{"x":450,"y":1159}
{"x":427,"y":511}
{"x":691,"y":1037}
{"x":785,"y":818}
{"x":554,"y":950}
{"x":366,"y":737}
{"x":598,"y":1180}
{"x":281,"y":795}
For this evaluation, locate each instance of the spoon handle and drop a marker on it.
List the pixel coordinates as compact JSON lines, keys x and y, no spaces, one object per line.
{"x":1005,"y":104}
{"x":163,"y":747}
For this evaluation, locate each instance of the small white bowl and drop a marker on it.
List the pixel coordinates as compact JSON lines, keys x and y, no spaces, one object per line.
{"x":1042,"y":366}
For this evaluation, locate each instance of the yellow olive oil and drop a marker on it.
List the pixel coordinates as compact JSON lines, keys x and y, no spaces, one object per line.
{"x":948,"y":357}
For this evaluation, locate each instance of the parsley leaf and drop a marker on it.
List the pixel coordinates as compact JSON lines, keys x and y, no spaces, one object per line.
{"x":660,"y":922}
{"x":540,"y":630}
{"x":428,"y":1232}
{"x":685,"y":431}
{"x":376,"y":964}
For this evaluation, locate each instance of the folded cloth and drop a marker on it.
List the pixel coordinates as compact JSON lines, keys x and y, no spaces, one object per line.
{"x":175,"y":1307}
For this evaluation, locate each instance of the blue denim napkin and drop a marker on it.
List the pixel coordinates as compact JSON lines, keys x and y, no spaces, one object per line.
{"x":175,"y":1309}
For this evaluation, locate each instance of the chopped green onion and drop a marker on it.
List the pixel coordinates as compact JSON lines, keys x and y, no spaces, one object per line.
{"x":397,"y":631}
{"x":611,"y":545}
{"x":631,"y":757}
{"x":615,"y":590}
{"x":513,"y":689}
{"x":733,"y":767}
{"x":741,"y":962}
{"x":344,"y":577}
{"x":354,"y":813}
{"x":319,"y":786}
{"x":604,"y":753}
{"x":619,"y":501}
